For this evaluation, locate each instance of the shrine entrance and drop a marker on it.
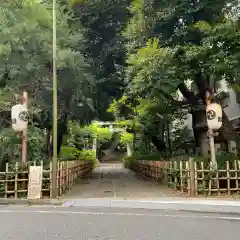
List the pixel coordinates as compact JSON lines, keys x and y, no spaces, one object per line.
{"x":114,"y":152}
{"x":110,"y":179}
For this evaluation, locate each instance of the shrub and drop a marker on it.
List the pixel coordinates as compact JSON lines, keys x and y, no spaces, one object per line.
{"x":11,"y":143}
{"x":67,"y":152}
{"x":222,"y":157}
{"x":150,"y":157}
{"x":126,"y":138}
{"x":72,"y":153}
{"x":86,"y":154}
{"x":128,"y":162}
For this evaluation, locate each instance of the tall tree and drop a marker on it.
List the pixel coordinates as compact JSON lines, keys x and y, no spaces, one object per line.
{"x":26,"y":60}
{"x":104,"y":21}
{"x":167,"y":45}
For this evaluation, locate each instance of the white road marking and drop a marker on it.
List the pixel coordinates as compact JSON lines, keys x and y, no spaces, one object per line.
{"x":196,"y":202}
{"x":164,"y":195}
{"x":120,"y":214}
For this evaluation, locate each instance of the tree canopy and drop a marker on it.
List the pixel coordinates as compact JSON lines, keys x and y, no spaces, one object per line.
{"x":148,"y":61}
{"x":171,"y":43}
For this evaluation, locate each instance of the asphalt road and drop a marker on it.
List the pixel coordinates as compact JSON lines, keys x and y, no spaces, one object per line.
{"x":77,"y":223}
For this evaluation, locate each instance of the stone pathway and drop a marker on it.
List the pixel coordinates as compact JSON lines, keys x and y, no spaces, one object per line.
{"x":112,"y":180}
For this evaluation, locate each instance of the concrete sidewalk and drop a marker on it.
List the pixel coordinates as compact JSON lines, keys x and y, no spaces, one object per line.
{"x":19,"y":201}
{"x":196,"y":205}
{"x":179,"y":204}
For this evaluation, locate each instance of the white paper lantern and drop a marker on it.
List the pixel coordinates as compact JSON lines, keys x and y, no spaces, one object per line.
{"x":19,"y":115}
{"x":214,"y":116}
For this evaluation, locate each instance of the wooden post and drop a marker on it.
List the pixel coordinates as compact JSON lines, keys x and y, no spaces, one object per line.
{"x":60,"y":178}
{"x":188,"y":178}
{"x":218,"y":188}
{"x":228,"y":178}
{"x":196,"y":178}
{"x":16,"y":181}
{"x":24,"y":133}
{"x":192,"y":177}
{"x":50,"y":177}
{"x":203,"y":178}
{"x":175,"y":167}
{"x":181,"y":176}
{"x":170,"y":173}
{"x":41,"y":195}
{"x":95,"y":147}
{"x":67,"y":175}
{"x":236,"y":175}
{"x":6,"y":182}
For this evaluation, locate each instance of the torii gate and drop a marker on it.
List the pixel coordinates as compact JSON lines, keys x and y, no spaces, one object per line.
{"x":111,"y":126}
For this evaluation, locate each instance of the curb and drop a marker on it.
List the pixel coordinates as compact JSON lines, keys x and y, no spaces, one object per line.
{"x":10,"y":201}
{"x":223,"y":213}
{"x":226,"y":207}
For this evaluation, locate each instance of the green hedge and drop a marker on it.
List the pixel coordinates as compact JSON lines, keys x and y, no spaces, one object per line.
{"x":150,"y":157}
{"x":129,"y":161}
{"x":72,"y":153}
{"x":221,"y":158}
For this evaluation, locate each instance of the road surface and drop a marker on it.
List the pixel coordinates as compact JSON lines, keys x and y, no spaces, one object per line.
{"x":75,"y":223}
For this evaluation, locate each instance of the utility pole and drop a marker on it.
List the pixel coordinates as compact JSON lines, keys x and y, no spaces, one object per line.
{"x":54,"y":85}
{"x":24,"y":132}
{"x":210,"y":134}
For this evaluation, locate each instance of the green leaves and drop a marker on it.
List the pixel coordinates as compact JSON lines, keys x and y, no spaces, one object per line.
{"x":169,"y":43}
{"x":203,"y":26}
{"x":26,"y":55}
{"x":26,"y":65}
{"x":99,"y":132}
{"x":126,"y":138}
{"x":70,"y":153}
{"x":91,"y":131}
{"x":151,"y":69}
{"x":11,"y":142}
{"x":103,"y":22}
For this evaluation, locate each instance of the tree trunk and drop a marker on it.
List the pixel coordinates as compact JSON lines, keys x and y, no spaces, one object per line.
{"x":62,"y":130}
{"x":159,"y":144}
{"x":199,"y":125}
{"x":48,"y":140}
{"x":204,"y":143}
{"x":63,"y":121}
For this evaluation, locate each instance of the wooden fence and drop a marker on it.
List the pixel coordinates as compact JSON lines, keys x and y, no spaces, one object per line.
{"x":193,"y":178}
{"x":14,"y":181}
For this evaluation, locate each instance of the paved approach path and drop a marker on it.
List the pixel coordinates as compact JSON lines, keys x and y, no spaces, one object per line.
{"x":112,"y":180}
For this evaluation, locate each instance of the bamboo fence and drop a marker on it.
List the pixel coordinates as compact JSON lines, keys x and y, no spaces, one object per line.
{"x":194,"y":178}
{"x":14,"y":181}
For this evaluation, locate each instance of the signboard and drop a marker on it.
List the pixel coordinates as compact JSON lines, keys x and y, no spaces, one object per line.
{"x":35,"y":182}
{"x":214,"y":116}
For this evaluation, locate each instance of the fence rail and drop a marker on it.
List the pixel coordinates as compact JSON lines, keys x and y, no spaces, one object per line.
{"x":194,"y":178}
{"x":14,"y":181}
